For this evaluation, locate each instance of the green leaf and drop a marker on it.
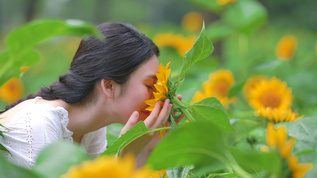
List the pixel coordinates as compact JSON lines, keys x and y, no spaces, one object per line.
{"x":304,"y":130}
{"x":222,"y":175}
{"x":178,"y":172}
{"x":11,"y":68}
{"x":257,"y":161}
{"x":211,"y":109}
{"x":8,"y":169}
{"x":38,"y":31}
{"x":198,"y":143}
{"x":135,"y":132}
{"x":20,"y":41}
{"x":245,"y":16}
{"x":200,"y":50}
{"x":58,"y":157}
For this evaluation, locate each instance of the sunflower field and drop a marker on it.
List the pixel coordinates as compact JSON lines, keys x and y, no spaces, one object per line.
{"x":249,"y":112}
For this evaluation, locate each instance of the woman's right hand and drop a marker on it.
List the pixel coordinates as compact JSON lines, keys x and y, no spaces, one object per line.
{"x":156,"y":119}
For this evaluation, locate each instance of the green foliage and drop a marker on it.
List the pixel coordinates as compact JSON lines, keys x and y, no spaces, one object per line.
{"x":201,"y":49}
{"x":199,"y":143}
{"x":211,"y":109}
{"x":20,"y":41}
{"x":137,"y":131}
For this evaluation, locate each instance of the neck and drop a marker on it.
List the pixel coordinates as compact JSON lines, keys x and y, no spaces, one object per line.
{"x":86,"y":118}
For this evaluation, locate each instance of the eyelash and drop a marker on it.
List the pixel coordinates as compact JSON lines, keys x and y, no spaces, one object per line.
{"x":149,"y":87}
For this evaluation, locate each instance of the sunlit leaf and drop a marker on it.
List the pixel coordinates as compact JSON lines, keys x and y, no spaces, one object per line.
{"x":38,"y":31}
{"x":257,"y":161}
{"x":196,"y":143}
{"x":135,"y":132}
{"x":201,"y":49}
{"x":211,"y":109}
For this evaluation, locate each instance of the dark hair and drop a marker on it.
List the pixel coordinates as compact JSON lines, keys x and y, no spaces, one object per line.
{"x":121,"y":53}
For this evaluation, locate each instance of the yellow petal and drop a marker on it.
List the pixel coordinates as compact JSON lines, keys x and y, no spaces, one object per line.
{"x":271,"y":135}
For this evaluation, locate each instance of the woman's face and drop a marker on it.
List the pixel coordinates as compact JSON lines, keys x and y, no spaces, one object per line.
{"x":138,"y":88}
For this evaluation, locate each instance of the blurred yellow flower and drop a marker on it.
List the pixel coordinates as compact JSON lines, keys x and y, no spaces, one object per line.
{"x":251,"y":83}
{"x":224,"y":2}
{"x":277,"y":115}
{"x":12,"y":90}
{"x":159,"y":174}
{"x":24,"y":69}
{"x":193,"y":21}
{"x":179,"y":42}
{"x":108,"y":167}
{"x":286,"y":48}
{"x":161,"y":86}
{"x":217,"y":86}
{"x":271,"y":93}
{"x":277,"y":137}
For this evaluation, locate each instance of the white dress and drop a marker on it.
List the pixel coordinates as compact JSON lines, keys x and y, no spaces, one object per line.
{"x":38,"y":126}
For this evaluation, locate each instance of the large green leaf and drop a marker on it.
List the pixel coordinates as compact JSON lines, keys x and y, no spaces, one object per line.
{"x":8,"y":169}
{"x":211,"y":109}
{"x":200,"y":50}
{"x":20,"y":41}
{"x":135,"y":132}
{"x":40,"y":30}
{"x":198,"y":143}
{"x":57,"y":158}
{"x":257,"y":161}
{"x":304,"y":130}
{"x":245,"y":15}
{"x":11,"y":68}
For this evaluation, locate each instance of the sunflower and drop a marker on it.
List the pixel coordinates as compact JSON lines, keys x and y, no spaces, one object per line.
{"x":277,"y":115}
{"x":277,"y":138}
{"x":271,"y":93}
{"x":251,"y":83}
{"x":224,"y":2}
{"x":193,"y":21}
{"x":108,"y":167}
{"x":161,"y":86}
{"x":179,"y":42}
{"x":217,"y":86}
{"x":12,"y":90}
{"x":286,"y":47}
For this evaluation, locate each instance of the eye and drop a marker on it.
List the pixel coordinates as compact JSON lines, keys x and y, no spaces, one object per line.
{"x":149,"y":87}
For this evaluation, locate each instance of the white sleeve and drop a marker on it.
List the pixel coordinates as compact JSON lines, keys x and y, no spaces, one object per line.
{"x":30,"y":132}
{"x":95,"y":142}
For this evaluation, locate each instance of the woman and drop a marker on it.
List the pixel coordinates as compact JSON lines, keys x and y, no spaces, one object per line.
{"x":108,"y":82}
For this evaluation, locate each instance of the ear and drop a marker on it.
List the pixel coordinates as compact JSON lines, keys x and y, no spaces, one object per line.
{"x":107,"y":87}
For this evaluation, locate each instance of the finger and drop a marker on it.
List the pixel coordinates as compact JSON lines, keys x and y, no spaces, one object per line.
{"x":163,"y":116}
{"x":131,"y":122}
{"x":179,"y":97}
{"x":153,"y":116}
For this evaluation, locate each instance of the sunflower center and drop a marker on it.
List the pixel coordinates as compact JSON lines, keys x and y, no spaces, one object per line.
{"x":222,"y":88}
{"x":270,"y":99}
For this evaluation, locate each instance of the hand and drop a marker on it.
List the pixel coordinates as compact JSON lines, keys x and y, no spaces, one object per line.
{"x":156,"y":119}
